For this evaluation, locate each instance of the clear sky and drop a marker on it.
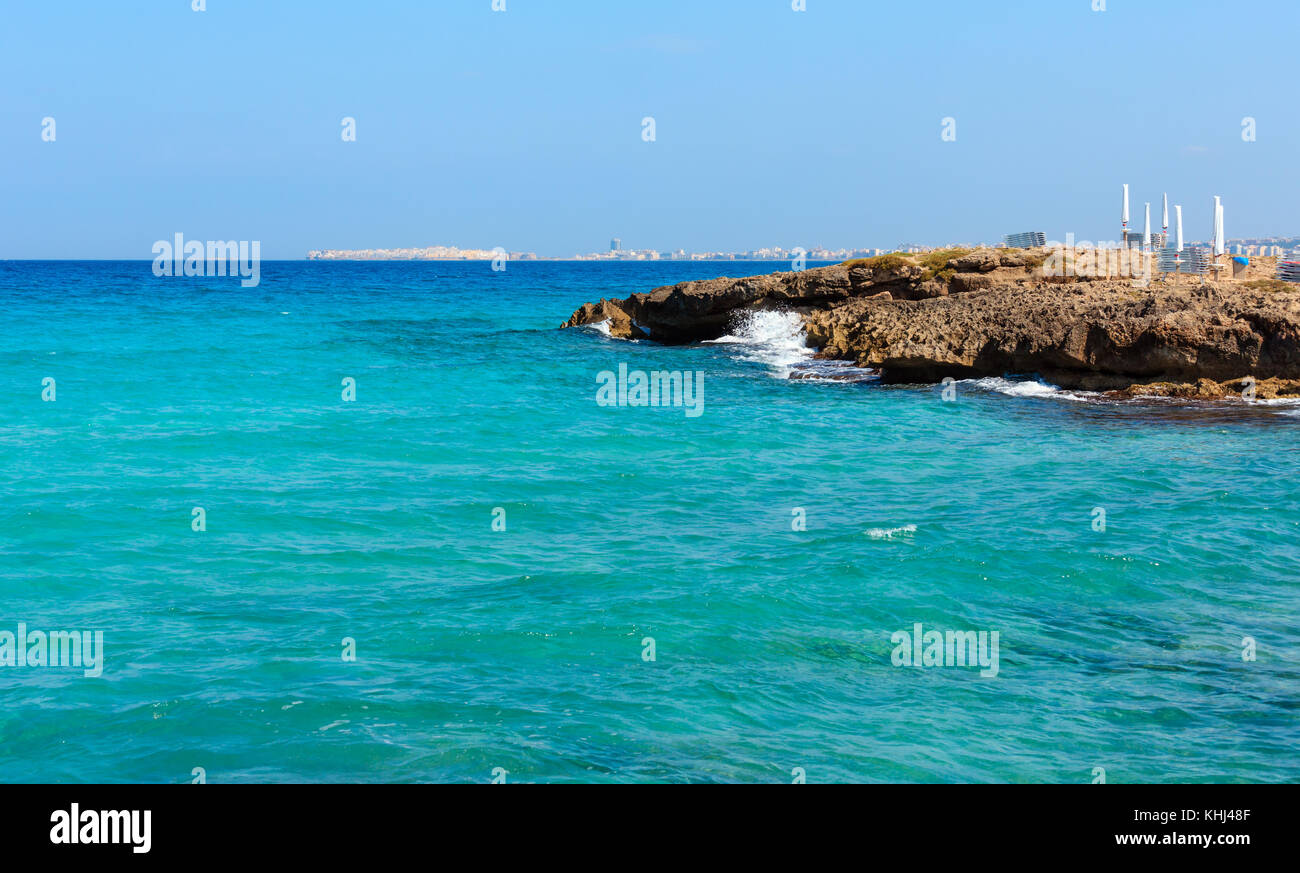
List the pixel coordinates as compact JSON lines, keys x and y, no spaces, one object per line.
{"x":523,"y":128}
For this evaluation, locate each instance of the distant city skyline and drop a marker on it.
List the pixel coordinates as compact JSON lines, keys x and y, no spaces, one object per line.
{"x":1264,"y":246}
{"x":769,"y":253}
{"x":676,"y":125}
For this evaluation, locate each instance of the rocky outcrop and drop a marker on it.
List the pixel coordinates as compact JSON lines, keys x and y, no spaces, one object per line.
{"x":621,"y":325}
{"x":993,"y":312}
{"x":1092,"y":335}
{"x":694,"y":311}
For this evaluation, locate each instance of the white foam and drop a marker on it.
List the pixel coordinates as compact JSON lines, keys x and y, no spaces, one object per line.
{"x":1039,"y":388}
{"x":1028,"y":388}
{"x":776,"y":338}
{"x":889,"y":533}
{"x":1276,"y":401}
{"x":602,"y":328}
{"x":1288,"y":406}
{"x":769,"y":337}
{"x":814,"y":370}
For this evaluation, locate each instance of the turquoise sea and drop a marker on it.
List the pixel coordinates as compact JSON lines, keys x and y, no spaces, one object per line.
{"x":524,"y":652}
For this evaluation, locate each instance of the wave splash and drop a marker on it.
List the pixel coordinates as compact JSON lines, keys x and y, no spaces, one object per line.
{"x":1022,"y":387}
{"x":776,"y":338}
{"x":1029,"y":388}
{"x":889,"y":533}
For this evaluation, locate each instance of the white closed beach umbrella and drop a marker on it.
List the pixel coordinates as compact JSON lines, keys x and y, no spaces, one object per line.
{"x":1178,"y":213}
{"x":1164,"y":223}
{"x":1219,"y":241}
{"x":1124,"y":215}
{"x":1146,"y":230}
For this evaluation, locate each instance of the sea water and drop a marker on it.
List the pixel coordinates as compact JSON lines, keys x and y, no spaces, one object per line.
{"x":472,"y":570}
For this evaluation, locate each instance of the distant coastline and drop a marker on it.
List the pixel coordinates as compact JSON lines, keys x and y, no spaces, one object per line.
{"x":738,"y":259}
{"x":1255,"y":247}
{"x":615,"y":253}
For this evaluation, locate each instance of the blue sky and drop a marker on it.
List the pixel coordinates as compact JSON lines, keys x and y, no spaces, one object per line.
{"x":523,"y":128}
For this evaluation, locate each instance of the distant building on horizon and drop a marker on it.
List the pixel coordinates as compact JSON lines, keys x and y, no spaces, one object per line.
{"x":1027,"y":240}
{"x":616,"y":245}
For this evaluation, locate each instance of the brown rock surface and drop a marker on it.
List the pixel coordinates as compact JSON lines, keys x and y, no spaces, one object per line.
{"x":620,"y":323}
{"x":1091,"y":335}
{"x":992,"y":312}
{"x":694,"y":311}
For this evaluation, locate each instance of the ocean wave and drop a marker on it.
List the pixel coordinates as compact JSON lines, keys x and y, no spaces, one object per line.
{"x":1024,"y":387}
{"x":776,"y":339}
{"x":602,"y":328}
{"x":816,"y":370}
{"x":889,"y":533}
{"x":1030,"y":388}
{"x":1285,"y":402}
{"x":769,"y":337}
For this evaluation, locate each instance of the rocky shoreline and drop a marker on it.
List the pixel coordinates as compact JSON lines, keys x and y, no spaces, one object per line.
{"x":993,"y":312}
